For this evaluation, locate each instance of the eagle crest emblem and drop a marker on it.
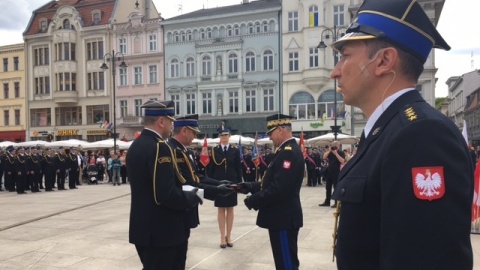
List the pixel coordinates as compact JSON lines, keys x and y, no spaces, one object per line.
{"x":428,"y":183}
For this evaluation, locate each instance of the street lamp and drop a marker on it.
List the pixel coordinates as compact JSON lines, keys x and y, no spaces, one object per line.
{"x":335,"y":34}
{"x":113,"y":57}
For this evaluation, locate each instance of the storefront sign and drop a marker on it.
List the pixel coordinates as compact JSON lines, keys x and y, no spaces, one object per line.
{"x":97,"y":132}
{"x":316,"y":125}
{"x":67,"y":132}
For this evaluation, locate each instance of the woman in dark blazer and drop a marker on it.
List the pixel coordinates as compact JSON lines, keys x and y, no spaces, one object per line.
{"x":225,"y":165}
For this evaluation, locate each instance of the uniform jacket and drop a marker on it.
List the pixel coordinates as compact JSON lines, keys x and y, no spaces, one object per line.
{"x":158,"y":208}
{"x":21,"y":164}
{"x":48,"y":165}
{"x":383,"y":224}
{"x":226,"y":167}
{"x":60,"y":161}
{"x":34,"y":164}
{"x":277,"y":197}
{"x":9,"y":164}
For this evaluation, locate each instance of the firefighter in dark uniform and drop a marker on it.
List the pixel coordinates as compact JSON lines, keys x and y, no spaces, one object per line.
{"x":225,"y":164}
{"x":185,"y":130}
{"x":60,"y":161}
{"x":34,"y":169}
{"x":40,"y":159}
{"x":248,"y":167}
{"x":158,"y":224}
{"x":406,"y":195}
{"x":2,"y":160}
{"x":311,"y":168}
{"x":262,"y":165}
{"x":21,"y":167}
{"x":277,"y":197}
{"x":72,"y":167}
{"x":48,"y":168}
{"x":9,"y":169}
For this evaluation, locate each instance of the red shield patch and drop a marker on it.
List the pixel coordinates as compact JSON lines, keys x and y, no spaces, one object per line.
{"x":428,"y":183}
{"x":287,"y":164}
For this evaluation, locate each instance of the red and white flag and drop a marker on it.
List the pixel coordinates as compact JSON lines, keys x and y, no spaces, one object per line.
{"x":301,"y":143}
{"x":476,"y":194}
{"x":204,"y":157}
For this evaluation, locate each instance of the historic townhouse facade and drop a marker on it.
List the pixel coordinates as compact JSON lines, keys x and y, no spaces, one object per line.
{"x":224,"y":64}
{"x":69,"y":95}
{"x":308,"y":90}
{"x":12,"y":97}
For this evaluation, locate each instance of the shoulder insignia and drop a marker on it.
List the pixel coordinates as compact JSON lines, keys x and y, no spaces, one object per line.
{"x":410,"y":114}
{"x":288,"y":148}
{"x":180,"y":160}
{"x":164,"y":160}
{"x":160,"y":141}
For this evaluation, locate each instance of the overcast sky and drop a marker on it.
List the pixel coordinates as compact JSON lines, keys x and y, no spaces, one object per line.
{"x":454,"y":26}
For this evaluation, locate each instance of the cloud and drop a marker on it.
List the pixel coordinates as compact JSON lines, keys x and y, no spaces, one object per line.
{"x":15,"y":14}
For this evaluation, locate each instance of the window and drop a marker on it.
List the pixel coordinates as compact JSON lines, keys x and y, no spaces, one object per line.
{"x":66,"y":24}
{"x":232,"y":63}
{"x":66,"y":81}
{"x":16,"y":86}
{"x":190,"y":67}
{"x":189,"y":35}
{"x":250,"y":101}
{"x":258,"y":27}
{"x":313,"y":16}
{"x":326,"y":105}
{"x":207,"y":103}
{"x":313,"y":57}
{"x":123,"y":108}
{"x":268,"y":99}
{"x":176,"y":101}
{"x":138,"y":75}
{"x":5,"y":90}
{"x":98,"y":114}
{"x":302,"y":106}
{"x":94,"y":49}
{"x":42,"y":85}
{"x":17,"y":117}
{"x":138,"y":107}
{"x":122,"y":43}
{"x":174,"y":66}
{"x":236,"y":30}
{"x":43,"y":25}
{"x":209,"y":33}
{"x":6,"y":117}
{"x":182,"y":36}
{"x":176,"y":37}
{"x":268,"y":60}
{"x":229,"y":31}
{"x":202,"y":33}
{"x":251,"y":29}
{"x":123,"y":76}
{"x":206,"y":65}
{"x":233,"y":101}
{"x":41,"y":56}
{"x":338,"y":15}
{"x":293,"y":21}
{"x":250,"y":62}
{"x":293,"y":61}
{"x":265,"y":26}
{"x":153,"y":74}
{"x":68,"y":116}
{"x":96,"y":18}
{"x":5,"y":64}
{"x":190,"y":98}
{"x":152,"y":43}
{"x":96,"y":80}
{"x":40,"y":117}
{"x":15,"y":63}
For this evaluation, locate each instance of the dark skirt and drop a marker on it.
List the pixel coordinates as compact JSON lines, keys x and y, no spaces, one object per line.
{"x":226,"y":201}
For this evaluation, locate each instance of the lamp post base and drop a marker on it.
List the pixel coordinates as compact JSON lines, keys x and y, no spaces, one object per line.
{"x":335,"y":130}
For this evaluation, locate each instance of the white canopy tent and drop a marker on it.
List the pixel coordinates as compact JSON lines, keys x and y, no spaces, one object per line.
{"x":330,"y":137}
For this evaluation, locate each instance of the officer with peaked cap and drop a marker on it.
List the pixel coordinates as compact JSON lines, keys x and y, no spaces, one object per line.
{"x":405,"y":197}
{"x":277,"y":196}
{"x":34,"y":168}
{"x":49,"y":170}
{"x":60,"y":161}
{"x":9,"y":169}
{"x":158,"y":224}
{"x":184,"y":131}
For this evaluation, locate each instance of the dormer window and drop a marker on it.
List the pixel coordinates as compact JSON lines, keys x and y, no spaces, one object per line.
{"x":96,"y":17}
{"x":66,"y":24}
{"x":43,"y":25}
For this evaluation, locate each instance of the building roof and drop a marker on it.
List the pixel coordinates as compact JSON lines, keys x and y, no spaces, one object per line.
{"x":245,"y":7}
{"x":83,"y":7}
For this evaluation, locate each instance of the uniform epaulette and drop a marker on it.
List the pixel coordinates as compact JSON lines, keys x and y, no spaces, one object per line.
{"x":288,"y":148}
{"x":411,"y":114}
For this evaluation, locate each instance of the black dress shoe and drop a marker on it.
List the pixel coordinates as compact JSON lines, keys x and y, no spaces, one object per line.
{"x":324,"y":204}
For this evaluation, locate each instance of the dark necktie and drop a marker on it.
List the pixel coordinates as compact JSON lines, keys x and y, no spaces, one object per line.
{"x":225,"y":150}
{"x":362,"y":139}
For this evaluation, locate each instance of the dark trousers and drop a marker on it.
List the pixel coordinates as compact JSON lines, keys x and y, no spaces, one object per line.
{"x":49,"y":180}
{"x":284,"y":248}
{"x":9,"y":182}
{"x":123,"y":174}
{"x":33,"y":181}
{"x":311,"y":177}
{"x":331,"y":181}
{"x":165,"y":258}
{"x":72,"y":178}
{"x":21,"y":182}
{"x":61,"y":179}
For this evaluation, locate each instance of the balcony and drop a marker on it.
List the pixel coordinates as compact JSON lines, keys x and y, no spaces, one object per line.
{"x":130,"y":121}
{"x":63,"y":97}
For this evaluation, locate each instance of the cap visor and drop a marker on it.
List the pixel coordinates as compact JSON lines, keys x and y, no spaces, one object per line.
{"x":194,"y":129}
{"x":271,"y":130}
{"x":350,"y":37}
